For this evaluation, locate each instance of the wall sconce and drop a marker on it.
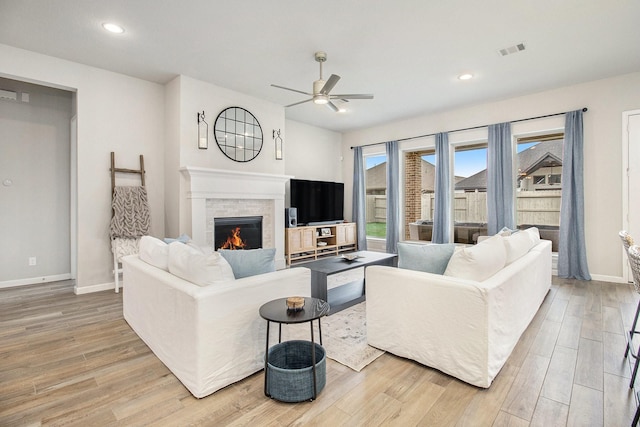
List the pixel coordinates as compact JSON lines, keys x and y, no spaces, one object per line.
{"x":278,"y":142}
{"x":203,"y":132}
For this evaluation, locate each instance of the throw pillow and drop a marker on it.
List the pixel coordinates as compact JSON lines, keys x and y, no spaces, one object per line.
{"x":251,"y":262}
{"x":183,"y":238}
{"x":431,"y":258}
{"x":534,"y":233}
{"x":154,"y":251}
{"x":478,"y":262}
{"x":517,"y":245}
{"x":197,"y":266}
{"x":505,"y":231}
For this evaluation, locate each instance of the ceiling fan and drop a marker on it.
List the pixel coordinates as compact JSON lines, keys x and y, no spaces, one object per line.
{"x":321,"y":89}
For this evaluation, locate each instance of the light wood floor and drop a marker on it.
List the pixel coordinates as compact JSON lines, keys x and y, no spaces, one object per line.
{"x":72,"y":360}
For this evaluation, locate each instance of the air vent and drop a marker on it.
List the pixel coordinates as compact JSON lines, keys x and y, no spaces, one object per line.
{"x":8,"y":94}
{"x":512,"y":49}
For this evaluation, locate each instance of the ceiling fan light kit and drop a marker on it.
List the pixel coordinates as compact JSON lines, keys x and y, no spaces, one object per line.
{"x":321,"y":89}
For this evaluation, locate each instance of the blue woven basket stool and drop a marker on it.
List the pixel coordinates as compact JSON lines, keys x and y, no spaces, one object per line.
{"x":290,"y":372}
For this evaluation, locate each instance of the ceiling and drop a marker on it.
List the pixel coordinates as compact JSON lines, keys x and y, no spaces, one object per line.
{"x":407,"y":53}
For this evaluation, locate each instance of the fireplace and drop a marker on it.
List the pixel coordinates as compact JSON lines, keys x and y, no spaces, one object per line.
{"x":238,"y":233}
{"x":216,"y":193}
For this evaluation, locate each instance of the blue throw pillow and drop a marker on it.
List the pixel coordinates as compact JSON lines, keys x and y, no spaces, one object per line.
{"x":245,"y":263}
{"x":432,"y":258}
{"x":183,"y":238}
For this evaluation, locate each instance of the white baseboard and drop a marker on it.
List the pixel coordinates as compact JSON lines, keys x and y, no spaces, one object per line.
{"x":605,"y":278}
{"x":96,"y":288}
{"x":34,"y":280}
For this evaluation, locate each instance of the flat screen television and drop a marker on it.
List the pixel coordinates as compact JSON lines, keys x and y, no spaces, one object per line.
{"x":317,"y":202}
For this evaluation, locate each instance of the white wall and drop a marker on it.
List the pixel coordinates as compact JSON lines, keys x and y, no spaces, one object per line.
{"x":172,"y":157}
{"x":186,"y":97}
{"x":312,"y":153}
{"x":115,"y":113}
{"x":34,"y":159}
{"x":309,"y":152}
{"x":606,"y":100}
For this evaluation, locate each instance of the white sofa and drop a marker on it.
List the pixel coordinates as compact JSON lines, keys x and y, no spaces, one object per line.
{"x":208,"y":336}
{"x":462,"y":327}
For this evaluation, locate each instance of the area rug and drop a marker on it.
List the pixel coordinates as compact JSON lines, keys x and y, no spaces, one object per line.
{"x":344,"y":337}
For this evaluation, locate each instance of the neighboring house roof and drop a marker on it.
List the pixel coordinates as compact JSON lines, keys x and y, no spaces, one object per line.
{"x":477,"y":181}
{"x":377,"y":177}
{"x":543,"y":154}
{"x":429,"y":177}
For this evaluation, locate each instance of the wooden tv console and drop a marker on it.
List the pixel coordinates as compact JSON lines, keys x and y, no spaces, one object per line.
{"x":316,"y":241}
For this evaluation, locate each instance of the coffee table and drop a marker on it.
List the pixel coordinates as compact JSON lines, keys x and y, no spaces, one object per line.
{"x":276,"y":311}
{"x":350,"y":293}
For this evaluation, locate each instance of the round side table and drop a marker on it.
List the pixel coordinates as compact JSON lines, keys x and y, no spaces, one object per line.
{"x":276,"y":311}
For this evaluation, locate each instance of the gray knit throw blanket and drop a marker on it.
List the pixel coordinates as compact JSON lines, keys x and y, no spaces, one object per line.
{"x":130,"y":212}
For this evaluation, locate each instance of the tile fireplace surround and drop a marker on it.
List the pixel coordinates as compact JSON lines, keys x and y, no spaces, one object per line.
{"x":212,"y":193}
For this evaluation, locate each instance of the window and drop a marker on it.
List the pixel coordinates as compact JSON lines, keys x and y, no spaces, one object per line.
{"x":470,"y":194}
{"x":539,"y":184}
{"x":376,"y":199}
{"x":539,"y":179}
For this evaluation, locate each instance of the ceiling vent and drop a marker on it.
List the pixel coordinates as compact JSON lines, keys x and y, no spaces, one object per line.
{"x":8,"y":94}
{"x":511,"y":49}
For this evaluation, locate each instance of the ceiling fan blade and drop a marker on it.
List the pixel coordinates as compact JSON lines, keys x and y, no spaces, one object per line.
{"x":293,"y":90}
{"x":332,"y":106}
{"x":353,"y":96}
{"x":298,"y":103}
{"x":329,"y":84}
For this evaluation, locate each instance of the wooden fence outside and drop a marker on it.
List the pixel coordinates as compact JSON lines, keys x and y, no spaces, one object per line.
{"x":532,"y":207}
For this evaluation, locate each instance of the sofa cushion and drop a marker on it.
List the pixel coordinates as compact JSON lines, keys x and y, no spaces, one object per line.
{"x":428,"y":258}
{"x":154,"y":251}
{"x":245,"y":263}
{"x":478,"y":262}
{"x":201,"y":267}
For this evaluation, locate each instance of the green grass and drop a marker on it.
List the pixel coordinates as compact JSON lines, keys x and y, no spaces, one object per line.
{"x":377,"y":229}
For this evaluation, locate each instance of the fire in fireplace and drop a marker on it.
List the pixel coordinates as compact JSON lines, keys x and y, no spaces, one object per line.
{"x":238,"y":233}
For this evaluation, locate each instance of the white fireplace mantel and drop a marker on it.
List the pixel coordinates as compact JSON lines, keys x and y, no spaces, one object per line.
{"x":204,"y":184}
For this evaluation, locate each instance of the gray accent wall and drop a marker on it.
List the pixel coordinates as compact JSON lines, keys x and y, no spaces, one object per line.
{"x":34,"y":183}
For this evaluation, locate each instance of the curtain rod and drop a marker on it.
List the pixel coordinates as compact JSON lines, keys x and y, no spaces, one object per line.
{"x":584,"y":110}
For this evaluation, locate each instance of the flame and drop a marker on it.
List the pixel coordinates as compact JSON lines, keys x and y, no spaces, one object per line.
{"x":234,"y":241}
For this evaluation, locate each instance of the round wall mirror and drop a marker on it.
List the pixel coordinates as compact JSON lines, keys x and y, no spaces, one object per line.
{"x":238,"y":134}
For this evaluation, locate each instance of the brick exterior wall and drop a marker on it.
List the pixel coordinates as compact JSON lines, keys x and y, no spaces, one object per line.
{"x":413,"y":189}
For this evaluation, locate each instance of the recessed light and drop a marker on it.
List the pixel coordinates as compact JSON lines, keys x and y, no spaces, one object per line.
{"x":342,"y":110}
{"x":466,"y":76}
{"x":113,"y":28}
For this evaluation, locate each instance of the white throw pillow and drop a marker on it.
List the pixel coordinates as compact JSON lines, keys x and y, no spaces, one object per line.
{"x":478,"y":262}
{"x":154,"y":251}
{"x":198,"y":267}
{"x":517,"y":245}
{"x":534,"y":233}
